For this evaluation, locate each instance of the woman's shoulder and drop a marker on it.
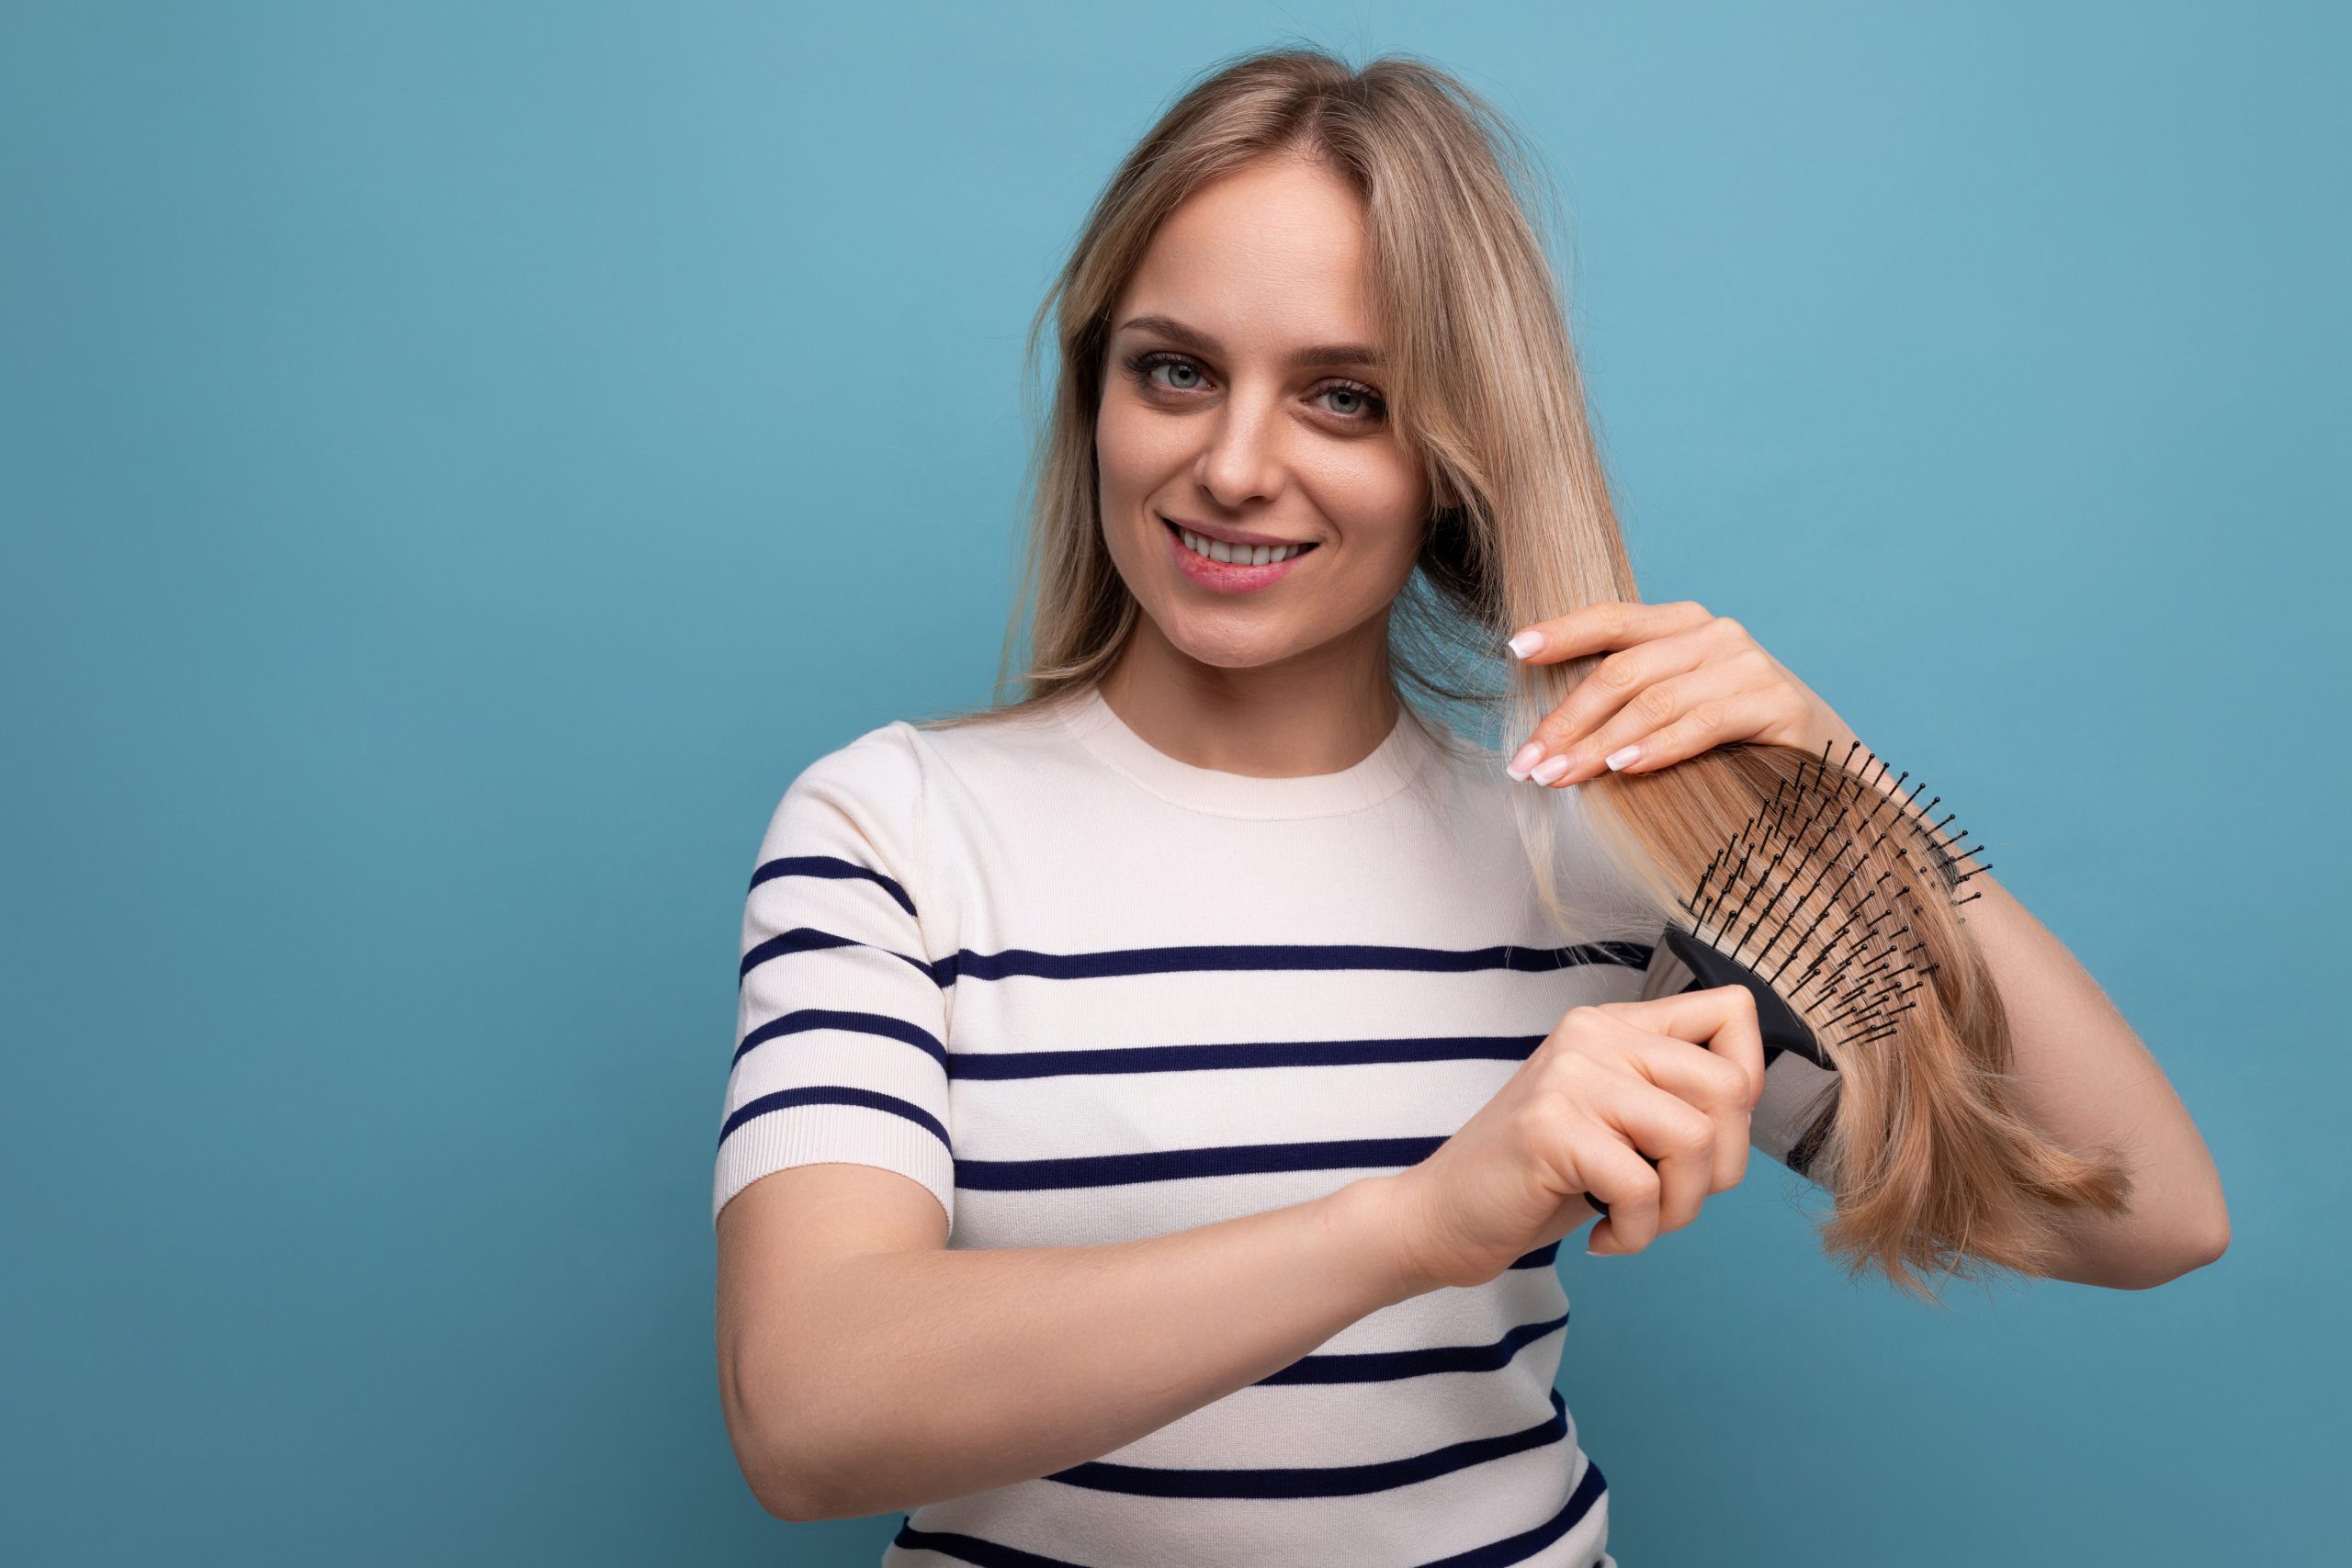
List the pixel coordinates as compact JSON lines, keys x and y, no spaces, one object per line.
{"x":897,"y":762}
{"x":866,"y":790}
{"x":1006,"y":756}
{"x":883,"y":761}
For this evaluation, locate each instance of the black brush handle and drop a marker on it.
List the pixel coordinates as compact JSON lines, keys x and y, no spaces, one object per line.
{"x":1709,"y":968}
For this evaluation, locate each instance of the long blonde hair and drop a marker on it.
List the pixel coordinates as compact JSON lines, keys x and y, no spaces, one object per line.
{"x":1928,"y":1164}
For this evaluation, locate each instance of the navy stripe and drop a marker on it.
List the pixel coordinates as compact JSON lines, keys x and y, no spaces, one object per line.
{"x":1314,"y":1481}
{"x":1527,"y":1543}
{"x":1388,"y":1366}
{"x":879,"y":1023}
{"x":1230,"y":957}
{"x":833,"y":1094}
{"x":972,"y":1549}
{"x":1222,"y":958}
{"x":807,"y":939}
{"x":834,"y":866}
{"x":1184,"y":1164}
{"x":1493,"y":1554}
{"x":1178,"y":1165}
{"x":999,"y":1065}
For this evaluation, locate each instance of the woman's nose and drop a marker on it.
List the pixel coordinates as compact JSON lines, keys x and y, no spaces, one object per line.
{"x":1243,"y":460}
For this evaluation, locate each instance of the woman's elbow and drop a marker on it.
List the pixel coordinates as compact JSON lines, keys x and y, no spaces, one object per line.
{"x":761,"y":1420}
{"x":786,"y":1486}
{"x":2212,"y":1238}
{"x":791,"y":1508}
{"x":2193,"y":1247}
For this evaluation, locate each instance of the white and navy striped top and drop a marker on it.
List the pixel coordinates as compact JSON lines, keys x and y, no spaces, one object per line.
{"x":1084,"y":992}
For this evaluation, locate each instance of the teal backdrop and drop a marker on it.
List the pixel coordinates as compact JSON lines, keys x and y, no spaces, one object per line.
{"x":460,"y":460}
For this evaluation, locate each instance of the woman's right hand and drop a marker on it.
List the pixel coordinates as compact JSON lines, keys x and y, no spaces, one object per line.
{"x":1675,"y":1080}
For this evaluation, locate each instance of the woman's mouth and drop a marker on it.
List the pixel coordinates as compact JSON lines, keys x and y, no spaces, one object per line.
{"x":1247,"y":567}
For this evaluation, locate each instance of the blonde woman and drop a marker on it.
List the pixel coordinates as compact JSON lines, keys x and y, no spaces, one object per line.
{"x":1159,"y":1100}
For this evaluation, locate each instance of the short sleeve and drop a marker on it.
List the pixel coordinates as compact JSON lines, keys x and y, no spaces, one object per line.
{"x":1792,"y":1113}
{"x":841,"y":1014}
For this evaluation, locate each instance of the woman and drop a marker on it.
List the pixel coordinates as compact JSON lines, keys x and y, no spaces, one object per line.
{"x":1160,"y":1101}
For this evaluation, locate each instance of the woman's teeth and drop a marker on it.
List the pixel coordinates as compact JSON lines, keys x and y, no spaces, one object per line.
{"x":1236,"y":555}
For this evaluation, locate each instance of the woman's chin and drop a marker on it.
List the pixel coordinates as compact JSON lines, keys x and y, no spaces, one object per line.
{"x":1241,"y":648}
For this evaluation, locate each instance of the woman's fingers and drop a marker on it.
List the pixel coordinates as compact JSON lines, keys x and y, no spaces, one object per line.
{"x":1605,"y":689}
{"x":1693,"y":1116}
{"x":1669,"y":723}
{"x":1720,"y":1018}
{"x":1605,"y":623}
{"x":1676,"y":1136}
{"x":1612,"y":1109}
{"x":1716,"y":1087}
{"x":1615,"y":1173}
{"x":1667,"y":1085}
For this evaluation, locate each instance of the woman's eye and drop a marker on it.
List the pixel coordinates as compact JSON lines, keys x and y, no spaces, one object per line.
{"x":1149,"y":365}
{"x":1356,"y":404}
{"x":1359,"y":404}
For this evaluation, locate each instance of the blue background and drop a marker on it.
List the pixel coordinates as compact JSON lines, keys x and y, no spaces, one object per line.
{"x":461,"y":460}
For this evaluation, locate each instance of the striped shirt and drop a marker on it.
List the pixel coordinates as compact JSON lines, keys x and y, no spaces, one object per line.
{"x":1084,"y":992}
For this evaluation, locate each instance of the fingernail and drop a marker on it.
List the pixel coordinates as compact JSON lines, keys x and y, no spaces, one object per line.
{"x":1525,"y":643}
{"x":1551,"y":770}
{"x":1622,"y":756}
{"x":1525,"y":759}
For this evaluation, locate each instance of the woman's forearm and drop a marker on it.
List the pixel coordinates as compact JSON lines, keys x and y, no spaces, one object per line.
{"x":913,"y":1376}
{"x":2083,"y":1077}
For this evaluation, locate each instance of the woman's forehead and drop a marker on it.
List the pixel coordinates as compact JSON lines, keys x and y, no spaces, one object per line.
{"x":1269,"y":257}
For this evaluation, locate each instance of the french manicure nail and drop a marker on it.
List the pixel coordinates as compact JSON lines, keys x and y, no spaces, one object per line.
{"x":1550,"y":771}
{"x":1525,"y":759}
{"x":1525,"y":643}
{"x":1622,"y":756}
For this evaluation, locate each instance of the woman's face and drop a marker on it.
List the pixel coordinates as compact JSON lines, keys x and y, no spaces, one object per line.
{"x":1240,"y":403}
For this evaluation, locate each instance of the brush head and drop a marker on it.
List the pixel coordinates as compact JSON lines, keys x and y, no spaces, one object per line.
{"x":1797,"y":908}
{"x":1802,"y":907}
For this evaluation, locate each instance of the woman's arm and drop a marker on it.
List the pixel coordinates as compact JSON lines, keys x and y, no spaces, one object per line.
{"x":1682,"y":680}
{"x":866,"y":1366}
{"x":860,"y":1376}
{"x":2085,"y":1078}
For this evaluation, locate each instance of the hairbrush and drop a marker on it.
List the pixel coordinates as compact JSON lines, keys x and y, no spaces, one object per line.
{"x":1788,"y":908}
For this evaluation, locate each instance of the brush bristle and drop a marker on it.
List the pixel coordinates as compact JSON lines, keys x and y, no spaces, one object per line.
{"x":1767,"y":898}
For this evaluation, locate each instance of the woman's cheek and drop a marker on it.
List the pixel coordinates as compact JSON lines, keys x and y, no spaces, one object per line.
{"x":1388,"y":509}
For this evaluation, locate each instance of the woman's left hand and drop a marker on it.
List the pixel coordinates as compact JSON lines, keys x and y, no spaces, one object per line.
{"x":1683,"y":681}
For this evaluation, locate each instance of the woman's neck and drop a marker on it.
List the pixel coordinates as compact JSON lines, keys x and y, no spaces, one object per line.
{"x":1320,"y":711}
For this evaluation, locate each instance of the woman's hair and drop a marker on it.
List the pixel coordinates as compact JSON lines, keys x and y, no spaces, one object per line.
{"x":1929,"y":1164}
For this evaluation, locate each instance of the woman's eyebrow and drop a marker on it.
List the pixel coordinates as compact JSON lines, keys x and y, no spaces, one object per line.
{"x":1193,"y":338}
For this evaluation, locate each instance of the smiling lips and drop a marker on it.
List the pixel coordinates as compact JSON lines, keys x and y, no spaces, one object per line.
{"x":1230,"y":577}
